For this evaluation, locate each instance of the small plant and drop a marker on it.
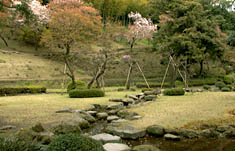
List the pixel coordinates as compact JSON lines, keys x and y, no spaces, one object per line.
{"x":86,"y":93}
{"x":174,"y":92}
{"x":228,"y":79}
{"x":15,"y":144}
{"x":225,"y":89}
{"x":220,"y":84}
{"x":79,"y":85}
{"x":74,"y":142}
{"x":206,"y":87}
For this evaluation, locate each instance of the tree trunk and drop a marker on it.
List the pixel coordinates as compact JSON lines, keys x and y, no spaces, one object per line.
{"x":3,"y":39}
{"x":173,"y":75}
{"x":71,"y":71}
{"x":132,"y":43}
{"x":201,"y":67}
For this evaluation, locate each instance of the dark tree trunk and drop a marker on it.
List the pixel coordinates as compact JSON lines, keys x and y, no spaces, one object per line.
{"x":132,"y":43}
{"x":100,"y":71}
{"x":4,"y":40}
{"x":71,"y":71}
{"x":173,"y":75}
{"x":201,"y":67}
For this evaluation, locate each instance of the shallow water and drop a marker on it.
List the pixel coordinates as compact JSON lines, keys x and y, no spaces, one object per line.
{"x":221,"y":144}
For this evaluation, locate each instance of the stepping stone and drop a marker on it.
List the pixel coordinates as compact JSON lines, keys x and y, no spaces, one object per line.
{"x":126,"y":132}
{"x":116,"y":147}
{"x":171,"y":137}
{"x":106,"y":138}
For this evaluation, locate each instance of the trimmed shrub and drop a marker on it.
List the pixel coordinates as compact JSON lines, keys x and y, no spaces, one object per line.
{"x":79,"y":85}
{"x":225,"y":89}
{"x":147,"y":89}
{"x":228,"y":79}
{"x":86,"y":93}
{"x":15,"y":144}
{"x":174,"y":92}
{"x":152,"y":85}
{"x":21,"y":90}
{"x":74,"y":142}
{"x":220,"y":84}
{"x":206,"y":87}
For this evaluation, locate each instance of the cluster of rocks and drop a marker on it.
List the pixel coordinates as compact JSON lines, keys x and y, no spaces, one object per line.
{"x":140,"y":98}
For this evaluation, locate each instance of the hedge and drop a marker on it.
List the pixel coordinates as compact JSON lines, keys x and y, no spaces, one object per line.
{"x":226,"y":89}
{"x":86,"y":93}
{"x":74,"y":142}
{"x":174,"y":92}
{"x":4,"y":91}
{"x":79,"y":85}
{"x":151,"y":85}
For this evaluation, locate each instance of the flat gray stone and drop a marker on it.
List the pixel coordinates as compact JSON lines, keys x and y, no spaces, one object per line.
{"x":126,"y":131}
{"x":156,"y":130}
{"x":119,"y":121}
{"x":171,"y":137}
{"x":86,"y":116}
{"x":113,"y":117}
{"x":106,"y":138}
{"x":93,"y":113}
{"x":116,"y":100}
{"x":132,"y":96}
{"x":116,"y":147}
{"x":7,"y":127}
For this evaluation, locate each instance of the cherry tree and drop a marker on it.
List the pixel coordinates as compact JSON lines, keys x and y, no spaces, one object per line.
{"x":71,"y":24}
{"x":142,"y":28}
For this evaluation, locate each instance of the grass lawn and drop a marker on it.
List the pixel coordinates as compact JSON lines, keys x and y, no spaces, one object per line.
{"x":188,"y":111}
{"x":25,"y":111}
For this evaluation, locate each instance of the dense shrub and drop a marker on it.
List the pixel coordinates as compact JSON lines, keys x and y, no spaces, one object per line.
{"x":21,"y":90}
{"x":79,"y":85}
{"x":206,"y":87}
{"x":228,"y":79}
{"x":15,"y":144}
{"x":174,"y":92}
{"x":74,"y":142}
{"x":220,"y":84}
{"x":201,"y":82}
{"x":146,"y":89}
{"x":86,"y":93}
{"x":225,"y":89}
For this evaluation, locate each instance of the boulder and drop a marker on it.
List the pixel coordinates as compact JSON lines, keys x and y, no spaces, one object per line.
{"x":113,"y":112}
{"x":172,"y":131}
{"x":132,"y":96}
{"x":209,"y":133}
{"x":38,"y":128}
{"x":128,"y":101}
{"x":156,"y":130}
{"x":99,"y":107}
{"x":131,"y":116}
{"x":92,"y":113}
{"x":66,"y":127}
{"x":126,"y":132}
{"x":115,"y":106}
{"x":116,"y":147}
{"x":145,"y":148}
{"x":140,"y":94}
{"x":123,"y":113}
{"x":149,"y":93}
{"x":106,"y":138}
{"x":66,"y":110}
{"x":230,"y":133}
{"x":188,"y":133}
{"x":111,"y":118}
{"x":222,"y":129}
{"x":84,"y":124}
{"x":171,"y":137}
{"x":86,"y":116}
{"x":150,"y":98}
{"x":102,"y":115}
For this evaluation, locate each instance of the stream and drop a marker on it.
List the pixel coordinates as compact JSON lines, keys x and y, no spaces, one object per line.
{"x":201,"y":144}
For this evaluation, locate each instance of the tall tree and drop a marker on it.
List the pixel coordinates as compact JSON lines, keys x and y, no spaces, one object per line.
{"x":71,"y":24}
{"x":186,"y":33}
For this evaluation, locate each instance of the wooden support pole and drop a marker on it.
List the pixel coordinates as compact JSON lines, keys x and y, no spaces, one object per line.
{"x":143,"y":75}
{"x":166,"y":72}
{"x":128,"y":76}
{"x":65,"y":70}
